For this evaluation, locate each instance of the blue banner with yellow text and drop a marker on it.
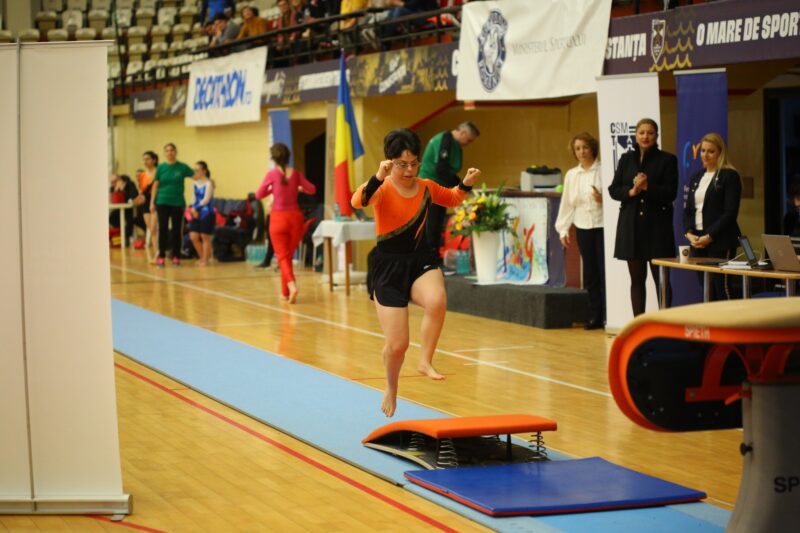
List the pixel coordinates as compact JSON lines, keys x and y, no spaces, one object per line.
{"x":702,"y":108}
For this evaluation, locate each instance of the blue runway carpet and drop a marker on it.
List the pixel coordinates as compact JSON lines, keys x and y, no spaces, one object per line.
{"x":334,"y":414}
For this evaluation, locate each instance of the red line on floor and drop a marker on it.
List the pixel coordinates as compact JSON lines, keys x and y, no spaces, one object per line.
{"x":294,"y":453}
{"x":126,"y":524}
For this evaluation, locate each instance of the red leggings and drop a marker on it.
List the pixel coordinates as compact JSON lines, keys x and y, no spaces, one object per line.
{"x":285,"y":233}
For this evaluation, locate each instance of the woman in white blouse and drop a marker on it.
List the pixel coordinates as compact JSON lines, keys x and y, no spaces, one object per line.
{"x":582,"y":205}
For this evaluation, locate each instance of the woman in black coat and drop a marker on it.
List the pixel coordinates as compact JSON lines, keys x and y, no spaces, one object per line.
{"x":709,"y":219}
{"x":645,"y":184}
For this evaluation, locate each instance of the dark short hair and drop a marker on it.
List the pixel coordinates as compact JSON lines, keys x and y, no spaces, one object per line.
{"x":471,"y":127}
{"x":254,"y":9}
{"x":649,"y":121}
{"x":152,"y":155}
{"x":221,"y":16}
{"x":205,"y":168}
{"x":399,"y":140}
{"x":171,"y":144}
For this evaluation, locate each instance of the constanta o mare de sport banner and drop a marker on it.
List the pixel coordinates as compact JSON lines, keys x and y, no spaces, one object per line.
{"x":524,"y":50}
{"x":226,"y":90}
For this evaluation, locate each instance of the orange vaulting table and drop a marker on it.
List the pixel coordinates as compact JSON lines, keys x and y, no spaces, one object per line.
{"x":716,"y":366}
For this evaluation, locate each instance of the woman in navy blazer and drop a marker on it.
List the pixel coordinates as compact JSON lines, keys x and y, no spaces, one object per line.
{"x":712,"y":207}
{"x":645,"y":183}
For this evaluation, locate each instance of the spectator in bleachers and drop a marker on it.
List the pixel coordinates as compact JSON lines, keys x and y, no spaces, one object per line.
{"x":201,"y":227}
{"x":212,"y":8}
{"x":146,"y":177}
{"x":402,"y":8}
{"x":349,"y":6}
{"x":224,"y":30}
{"x":287,"y":19}
{"x":253,"y":23}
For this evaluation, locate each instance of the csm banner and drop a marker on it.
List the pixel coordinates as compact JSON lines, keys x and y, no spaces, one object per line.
{"x":226,"y":90}
{"x":523,"y":254}
{"x":702,"y":108}
{"x":703,"y":35}
{"x":621,"y":102}
{"x":523,"y":50}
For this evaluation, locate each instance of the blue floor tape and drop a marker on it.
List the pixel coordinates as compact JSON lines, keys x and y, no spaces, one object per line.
{"x":333,"y":414}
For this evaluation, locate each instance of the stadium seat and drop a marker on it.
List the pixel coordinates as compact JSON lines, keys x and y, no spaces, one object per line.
{"x":46,"y":21}
{"x":195,"y":3}
{"x":109,"y":34}
{"x":72,"y":19}
{"x":136,"y":35}
{"x":114,"y":70}
{"x":170,"y":3}
{"x":145,"y":16}
{"x":98,"y":18}
{"x":180,"y":32}
{"x":125,"y":4}
{"x":78,"y":5}
{"x":158,"y":34}
{"x":53,"y":5}
{"x":134,"y":70}
{"x":136,"y":52}
{"x":151,"y":4}
{"x":197,"y":30}
{"x":86,"y":34}
{"x":28,"y":35}
{"x":166,"y":15}
{"x":6,"y":36}
{"x":149,"y":69}
{"x":203,"y":41}
{"x":57,"y":35}
{"x":124,"y":17}
{"x":158,"y":50}
{"x":102,"y":4}
{"x":188,"y":14}
{"x":175,"y":49}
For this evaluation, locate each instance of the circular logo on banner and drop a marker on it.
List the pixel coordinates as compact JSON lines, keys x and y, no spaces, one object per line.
{"x":492,"y":49}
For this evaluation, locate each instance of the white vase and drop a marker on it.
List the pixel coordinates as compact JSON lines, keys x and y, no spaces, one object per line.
{"x":486,"y":244}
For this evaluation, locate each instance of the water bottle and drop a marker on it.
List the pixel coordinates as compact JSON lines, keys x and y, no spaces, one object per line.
{"x":337,"y":215}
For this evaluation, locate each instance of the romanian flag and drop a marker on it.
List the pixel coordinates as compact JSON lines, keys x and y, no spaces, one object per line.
{"x":347,"y":147}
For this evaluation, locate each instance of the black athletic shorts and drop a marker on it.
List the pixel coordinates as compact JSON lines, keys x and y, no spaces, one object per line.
{"x":390,"y":276}
{"x":203,"y":225}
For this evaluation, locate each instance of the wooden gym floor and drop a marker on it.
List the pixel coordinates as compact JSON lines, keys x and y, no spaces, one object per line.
{"x":192,"y":464}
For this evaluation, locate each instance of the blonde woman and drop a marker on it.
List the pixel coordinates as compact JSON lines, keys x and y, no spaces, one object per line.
{"x":709,"y":219}
{"x":582,"y":205}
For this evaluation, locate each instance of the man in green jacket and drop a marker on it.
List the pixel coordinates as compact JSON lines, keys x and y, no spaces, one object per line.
{"x":441,"y":163}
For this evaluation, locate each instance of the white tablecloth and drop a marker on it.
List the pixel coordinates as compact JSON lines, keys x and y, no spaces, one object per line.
{"x":342,"y":231}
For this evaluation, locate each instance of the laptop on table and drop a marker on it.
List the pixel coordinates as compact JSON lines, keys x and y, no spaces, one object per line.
{"x":781,"y":252}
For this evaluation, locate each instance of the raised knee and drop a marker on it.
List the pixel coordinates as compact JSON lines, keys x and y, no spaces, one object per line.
{"x":397,"y":347}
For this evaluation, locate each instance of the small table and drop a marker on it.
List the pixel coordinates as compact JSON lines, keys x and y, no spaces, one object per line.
{"x":121,"y":208}
{"x":707,"y":270}
{"x":336,"y":232}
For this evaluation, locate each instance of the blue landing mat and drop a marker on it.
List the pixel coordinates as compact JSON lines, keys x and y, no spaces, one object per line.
{"x":334,"y":414}
{"x":570,"y":486}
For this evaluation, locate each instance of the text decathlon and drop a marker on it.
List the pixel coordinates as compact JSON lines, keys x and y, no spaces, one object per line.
{"x":221,"y":91}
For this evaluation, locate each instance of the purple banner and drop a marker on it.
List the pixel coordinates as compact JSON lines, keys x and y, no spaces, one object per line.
{"x":702,"y":108}
{"x":710,"y":34}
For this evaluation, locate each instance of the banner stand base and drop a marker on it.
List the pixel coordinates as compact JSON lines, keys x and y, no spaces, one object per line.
{"x":52,"y":506}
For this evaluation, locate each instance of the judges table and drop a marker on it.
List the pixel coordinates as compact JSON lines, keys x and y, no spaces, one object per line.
{"x":121,"y":208}
{"x":672,"y":262}
{"x":337,"y":232}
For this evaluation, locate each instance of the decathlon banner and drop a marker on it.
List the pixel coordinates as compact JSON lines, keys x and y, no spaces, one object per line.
{"x":226,"y":90}
{"x":524,"y":50}
{"x":702,"y":100}
{"x":621,"y":102}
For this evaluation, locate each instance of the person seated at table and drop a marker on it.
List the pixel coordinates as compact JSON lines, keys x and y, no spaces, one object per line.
{"x":122,"y":191}
{"x":253,"y":24}
{"x":712,"y":206}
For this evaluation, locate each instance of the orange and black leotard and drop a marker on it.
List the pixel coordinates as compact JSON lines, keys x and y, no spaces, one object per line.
{"x":400,"y":221}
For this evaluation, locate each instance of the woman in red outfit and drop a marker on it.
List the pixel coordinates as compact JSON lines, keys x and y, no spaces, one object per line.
{"x":402,"y":267}
{"x":286,"y":225}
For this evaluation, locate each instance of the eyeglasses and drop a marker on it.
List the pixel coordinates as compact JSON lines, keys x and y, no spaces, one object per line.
{"x":405,"y":165}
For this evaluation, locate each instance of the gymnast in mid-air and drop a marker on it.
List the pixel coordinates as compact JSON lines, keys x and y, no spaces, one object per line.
{"x":402,"y":267}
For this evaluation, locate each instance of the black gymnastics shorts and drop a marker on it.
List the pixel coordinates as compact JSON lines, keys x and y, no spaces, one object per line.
{"x":390,"y":276}
{"x":203,"y":225}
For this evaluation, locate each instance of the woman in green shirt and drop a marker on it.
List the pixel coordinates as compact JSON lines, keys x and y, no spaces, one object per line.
{"x":168,"y":203}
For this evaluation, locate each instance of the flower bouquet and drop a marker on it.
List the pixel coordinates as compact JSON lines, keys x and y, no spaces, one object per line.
{"x":481,"y":212}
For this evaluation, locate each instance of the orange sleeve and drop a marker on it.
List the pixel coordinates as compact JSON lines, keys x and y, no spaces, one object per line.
{"x":368,"y":193}
{"x":444,"y":196}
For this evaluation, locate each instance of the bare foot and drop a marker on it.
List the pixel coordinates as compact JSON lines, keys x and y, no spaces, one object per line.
{"x":284,"y":298}
{"x":202,"y":263}
{"x":292,"y":292}
{"x":389,"y":402}
{"x":426,"y":369}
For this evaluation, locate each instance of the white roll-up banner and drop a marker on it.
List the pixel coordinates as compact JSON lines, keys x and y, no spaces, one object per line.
{"x":226,"y":90}
{"x":524,"y":49}
{"x":621,"y":102}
